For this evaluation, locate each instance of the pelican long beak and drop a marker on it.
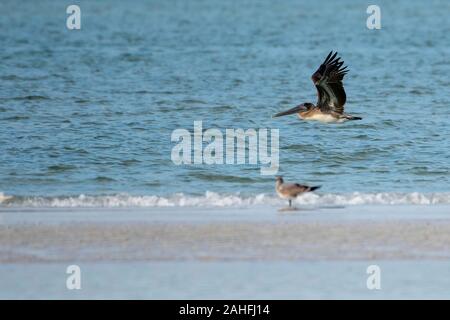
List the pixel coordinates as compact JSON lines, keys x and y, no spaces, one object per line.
{"x":290,"y":111}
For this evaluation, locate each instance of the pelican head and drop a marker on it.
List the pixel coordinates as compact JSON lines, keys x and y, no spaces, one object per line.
{"x":301,"y":108}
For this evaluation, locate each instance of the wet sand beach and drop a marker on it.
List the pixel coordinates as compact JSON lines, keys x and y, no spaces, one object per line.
{"x":212,"y":234}
{"x":170,"y":247}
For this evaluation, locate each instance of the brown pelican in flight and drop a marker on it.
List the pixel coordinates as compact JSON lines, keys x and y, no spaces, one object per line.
{"x":330,"y":91}
{"x":290,"y":191}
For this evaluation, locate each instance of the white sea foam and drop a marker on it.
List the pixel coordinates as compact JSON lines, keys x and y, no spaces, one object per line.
{"x":3,"y":197}
{"x":212,"y":199}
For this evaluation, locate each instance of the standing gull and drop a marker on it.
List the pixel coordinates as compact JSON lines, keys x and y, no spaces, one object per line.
{"x":330,"y":94}
{"x":290,"y":191}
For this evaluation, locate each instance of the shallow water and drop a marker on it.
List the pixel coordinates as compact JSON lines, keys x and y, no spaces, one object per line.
{"x":229,"y":280}
{"x":92,"y":111}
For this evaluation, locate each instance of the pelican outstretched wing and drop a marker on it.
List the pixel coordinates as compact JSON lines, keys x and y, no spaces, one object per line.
{"x":328,"y":80}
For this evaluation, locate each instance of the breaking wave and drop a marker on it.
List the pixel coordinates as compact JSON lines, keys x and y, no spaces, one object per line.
{"x":212,"y":199}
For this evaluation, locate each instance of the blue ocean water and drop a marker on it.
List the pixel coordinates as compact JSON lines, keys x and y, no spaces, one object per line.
{"x":91,"y":111}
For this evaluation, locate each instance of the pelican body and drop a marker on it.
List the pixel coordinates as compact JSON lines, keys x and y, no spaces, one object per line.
{"x":291,"y":191}
{"x":331,"y":95}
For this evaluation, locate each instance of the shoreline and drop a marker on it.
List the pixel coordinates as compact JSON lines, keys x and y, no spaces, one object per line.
{"x":227,"y":234}
{"x":226,"y":253}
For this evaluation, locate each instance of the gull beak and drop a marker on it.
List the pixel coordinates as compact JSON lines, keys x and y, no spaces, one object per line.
{"x":296,"y":109}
